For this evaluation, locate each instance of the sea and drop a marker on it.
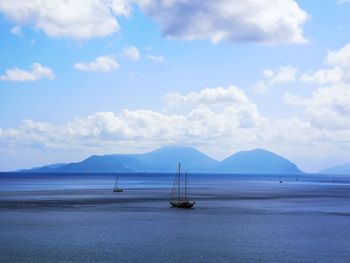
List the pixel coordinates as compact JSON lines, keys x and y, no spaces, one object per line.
{"x":237,"y":218}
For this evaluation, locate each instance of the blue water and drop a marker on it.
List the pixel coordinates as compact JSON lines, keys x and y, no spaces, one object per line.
{"x":52,"y":181}
{"x":237,"y":218}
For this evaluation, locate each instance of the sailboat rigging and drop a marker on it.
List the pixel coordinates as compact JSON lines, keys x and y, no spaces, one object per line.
{"x":177,"y":199}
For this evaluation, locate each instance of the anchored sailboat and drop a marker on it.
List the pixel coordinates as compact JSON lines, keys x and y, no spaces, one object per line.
{"x":115,"y":187}
{"x":177,"y":199}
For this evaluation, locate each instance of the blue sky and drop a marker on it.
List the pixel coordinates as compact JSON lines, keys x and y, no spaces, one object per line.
{"x":221,"y":77}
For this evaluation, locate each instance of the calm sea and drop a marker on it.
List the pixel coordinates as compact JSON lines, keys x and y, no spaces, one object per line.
{"x":237,"y":218}
{"x":52,"y":181}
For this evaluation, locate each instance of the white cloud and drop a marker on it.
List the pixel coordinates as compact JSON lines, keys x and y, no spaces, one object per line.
{"x":328,"y":107}
{"x":323,"y":76}
{"x":340,"y":57}
{"x":217,"y":96}
{"x":236,"y":118}
{"x":272,"y":78}
{"x":236,"y":122}
{"x":78,"y":19}
{"x":100,"y":64}
{"x":37,"y":72}
{"x":156,"y":58}
{"x":131,"y":53}
{"x":219,"y":121}
{"x":271,"y":21}
{"x":337,"y":72}
{"x":17,"y":31}
{"x":283,"y":75}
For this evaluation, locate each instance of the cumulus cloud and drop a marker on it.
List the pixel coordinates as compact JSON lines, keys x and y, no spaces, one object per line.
{"x":100,"y":64}
{"x":78,"y":19}
{"x":282,"y":75}
{"x":218,"y":116}
{"x":323,"y":76}
{"x":328,"y":106}
{"x":156,"y":58}
{"x":236,"y":122}
{"x":37,"y":72}
{"x":337,"y":70}
{"x":272,"y":78}
{"x":339,"y":57}
{"x":236,"y":119}
{"x":218,"y":120}
{"x":272,"y":21}
{"x":217,"y":96}
{"x":131,"y":53}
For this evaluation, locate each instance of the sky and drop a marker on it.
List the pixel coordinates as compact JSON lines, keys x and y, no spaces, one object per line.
{"x":83,"y":77}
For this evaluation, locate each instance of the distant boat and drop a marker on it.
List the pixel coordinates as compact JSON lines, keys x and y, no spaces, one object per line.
{"x":179,"y":198}
{"x":115,"y":187}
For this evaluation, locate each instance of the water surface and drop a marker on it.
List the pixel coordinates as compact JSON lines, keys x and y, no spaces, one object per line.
{"x":237,"y":218}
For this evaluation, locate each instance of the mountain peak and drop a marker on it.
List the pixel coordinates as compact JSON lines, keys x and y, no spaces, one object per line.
{"x":175,"y":147}
{"x":256,"y":151}
{"x":258,"y":161}
{"x":165,"y":159}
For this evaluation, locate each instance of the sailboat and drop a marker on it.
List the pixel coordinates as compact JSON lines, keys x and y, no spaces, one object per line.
{"x":115,"y":187}
{"x":177,"y":199}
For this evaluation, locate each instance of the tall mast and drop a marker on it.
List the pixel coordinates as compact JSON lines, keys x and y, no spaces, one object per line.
{"x":179,"y":183}
{"x":174,"y":190}
{"x":186,"y":180}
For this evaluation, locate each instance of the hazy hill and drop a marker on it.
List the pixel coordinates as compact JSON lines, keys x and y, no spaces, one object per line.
{"x":339,"y":169}
{"x":166,"y":159}
{"x":161,"y":160}
{"x":44,"y":169}
{"x":257,"y":161}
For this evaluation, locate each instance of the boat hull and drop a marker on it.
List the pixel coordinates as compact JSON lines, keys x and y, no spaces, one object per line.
{"x":182,"y":204}
{"x":118,"y":190}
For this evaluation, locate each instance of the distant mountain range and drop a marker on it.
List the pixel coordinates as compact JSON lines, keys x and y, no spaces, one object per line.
{"x":339,"y":169}
{"x":166,"y":159}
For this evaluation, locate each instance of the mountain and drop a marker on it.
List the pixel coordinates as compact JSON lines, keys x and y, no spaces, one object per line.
{"x":339,"y":169}
{"x":257,"y":161}
{"x":95,"y":164}
{"x":44,"y":169}
{"x":165,"y":160}
{"x":161,"y":160}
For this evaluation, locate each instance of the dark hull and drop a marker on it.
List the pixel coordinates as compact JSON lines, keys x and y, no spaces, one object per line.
{"x":182,"y":204}
{"x":118,"y":190}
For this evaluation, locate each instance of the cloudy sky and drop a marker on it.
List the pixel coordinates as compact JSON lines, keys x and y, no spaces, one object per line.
{"x":82,"y":77}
